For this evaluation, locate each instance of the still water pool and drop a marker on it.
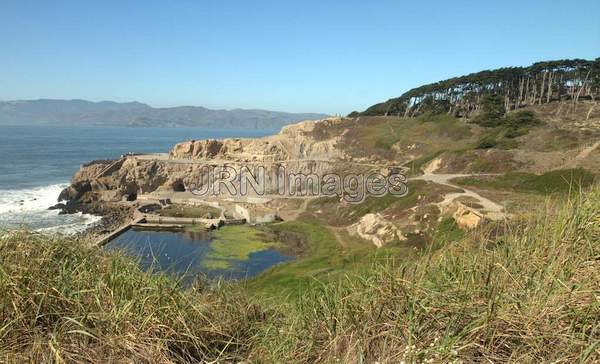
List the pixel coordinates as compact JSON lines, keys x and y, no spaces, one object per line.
{"x":230,"y":253}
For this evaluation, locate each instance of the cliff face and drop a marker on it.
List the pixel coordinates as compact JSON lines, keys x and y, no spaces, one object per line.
{"x":294,"y":142}
{"x":295,"y":147}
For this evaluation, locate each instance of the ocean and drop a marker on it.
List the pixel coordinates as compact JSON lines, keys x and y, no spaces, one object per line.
{"x":37,"y":162}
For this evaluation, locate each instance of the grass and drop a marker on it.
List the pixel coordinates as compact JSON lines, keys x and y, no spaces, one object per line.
{"x":416,"y":165}
{"x":330,"y":211}
{"x":377,"y":135}
{"x":447,"y":231}
{"x":522,"y":292}
{"x":560,"y":181}
{"x":324,"y":259}
{"x":322,"y":255}
{"x":63,"y":301}
{"x":337,"y":214}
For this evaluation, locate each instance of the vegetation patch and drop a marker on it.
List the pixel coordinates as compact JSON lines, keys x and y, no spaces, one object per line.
{"x":559,"y":181}
{"x":235,"y":243}
{"x":330,"y":210}
{"x":527,"y":294}
{"x":323,"y":260}
{"x":416,"y":165}
{"x":508,"y":125}
{"x":487,"y":142}
{"x":322,"y":250}
{"x":378,"y":135}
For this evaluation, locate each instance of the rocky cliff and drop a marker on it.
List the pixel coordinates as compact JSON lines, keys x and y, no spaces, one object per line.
{"x":295,"y":147}
{"x":432,"y":149}
{"x":294,"y":142}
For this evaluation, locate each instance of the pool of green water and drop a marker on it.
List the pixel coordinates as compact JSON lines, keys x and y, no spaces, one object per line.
{"x":233,"y":252}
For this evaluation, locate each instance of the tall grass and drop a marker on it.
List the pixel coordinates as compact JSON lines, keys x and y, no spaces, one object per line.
{"x":526,"y":291}
{"x":62,"y":301}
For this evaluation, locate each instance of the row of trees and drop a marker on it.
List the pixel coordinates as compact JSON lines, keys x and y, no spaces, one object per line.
{"x":542,"y":82}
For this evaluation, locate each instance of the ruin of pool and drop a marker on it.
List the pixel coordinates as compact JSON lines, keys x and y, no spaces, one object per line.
{"x":189,"y":254}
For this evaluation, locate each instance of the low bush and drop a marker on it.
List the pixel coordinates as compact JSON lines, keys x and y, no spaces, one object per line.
{"x":558,"y":181}
{"x":487,"y":142}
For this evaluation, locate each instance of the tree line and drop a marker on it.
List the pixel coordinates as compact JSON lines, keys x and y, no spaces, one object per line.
{"x":542,"y":82}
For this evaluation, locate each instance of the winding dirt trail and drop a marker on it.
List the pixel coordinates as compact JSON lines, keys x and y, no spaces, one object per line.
{"x":490,"y":209}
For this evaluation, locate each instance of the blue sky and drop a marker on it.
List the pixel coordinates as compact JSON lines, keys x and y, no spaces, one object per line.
{"x":315,"y":56}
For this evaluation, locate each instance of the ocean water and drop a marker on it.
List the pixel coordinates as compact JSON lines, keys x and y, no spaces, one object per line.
{"x":37,"y":162}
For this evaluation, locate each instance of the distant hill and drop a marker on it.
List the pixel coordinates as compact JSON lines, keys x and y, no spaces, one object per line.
{"x":82,"y":112}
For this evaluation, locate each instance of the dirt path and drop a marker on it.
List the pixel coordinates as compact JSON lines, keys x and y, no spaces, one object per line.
{"x":293,"y":215}
{"x":490,"y":209}
{"x":585,"y":152}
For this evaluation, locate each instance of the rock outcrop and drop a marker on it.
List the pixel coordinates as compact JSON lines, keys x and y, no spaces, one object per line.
{"x":466,"y":218}
{"x":376,"y":229}
{"x":296,"y":148}
{"x":294,"y":142}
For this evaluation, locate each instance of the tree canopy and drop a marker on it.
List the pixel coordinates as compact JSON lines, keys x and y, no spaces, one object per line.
{"x":542,"y":82}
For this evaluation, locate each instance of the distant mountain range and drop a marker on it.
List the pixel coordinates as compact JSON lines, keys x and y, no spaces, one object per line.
{"x":82,"y":112}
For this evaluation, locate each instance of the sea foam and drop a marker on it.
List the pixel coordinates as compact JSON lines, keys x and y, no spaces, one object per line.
{"x":29,"y":208}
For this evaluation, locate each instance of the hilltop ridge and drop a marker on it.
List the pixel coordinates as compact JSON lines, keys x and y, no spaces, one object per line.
{"x":82,"y":112}
{"x":542,"y":82}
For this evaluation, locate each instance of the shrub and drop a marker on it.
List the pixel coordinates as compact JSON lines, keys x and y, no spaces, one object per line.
{"x":521,"y":119}
{"x":559,"y":181}
{"x":512,"y":133}
{"x":487,"y":142}
{"x":492,"y":111}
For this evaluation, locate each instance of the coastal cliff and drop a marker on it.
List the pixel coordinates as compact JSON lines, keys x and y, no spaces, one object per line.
{"x":455,"y":168}
{"x":132,"y":175}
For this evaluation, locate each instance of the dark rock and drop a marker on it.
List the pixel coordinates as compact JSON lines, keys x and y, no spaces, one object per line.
{"x":178,"y":186}
{"x":58,"y":206}
{"x":67,"y":194}
{"x":75,"y":191}
{"x":150,"y":208}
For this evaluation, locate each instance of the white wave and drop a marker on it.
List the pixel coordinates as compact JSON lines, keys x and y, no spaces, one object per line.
{"x":83,"y":221}
{"x":29,"y":208}
{"x":32,"y":199}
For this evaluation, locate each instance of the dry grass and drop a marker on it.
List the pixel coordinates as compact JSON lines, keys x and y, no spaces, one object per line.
{"x":524,"y":292}
{"x":529,"y":294}
{"x":64,"y":302}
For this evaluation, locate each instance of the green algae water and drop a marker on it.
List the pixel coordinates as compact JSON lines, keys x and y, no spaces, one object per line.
{"x":232,"y":253}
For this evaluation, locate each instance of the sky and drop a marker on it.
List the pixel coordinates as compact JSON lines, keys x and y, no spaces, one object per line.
{"x":299,"y":56}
